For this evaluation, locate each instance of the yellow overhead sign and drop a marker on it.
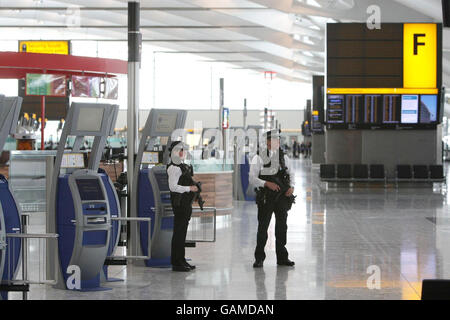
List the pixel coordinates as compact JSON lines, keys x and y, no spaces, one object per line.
{"x":382,"y":91}
{"x":420,"y":55}
{"x":49,"y":47}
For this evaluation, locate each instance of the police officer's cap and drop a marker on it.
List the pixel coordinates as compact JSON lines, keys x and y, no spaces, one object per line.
{"x":179,"y":145}
{"x":272,"y":134}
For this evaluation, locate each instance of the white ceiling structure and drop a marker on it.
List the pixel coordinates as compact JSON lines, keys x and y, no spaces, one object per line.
{"x":283,"y":36}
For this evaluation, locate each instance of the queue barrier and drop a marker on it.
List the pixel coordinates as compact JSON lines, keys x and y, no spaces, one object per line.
{"x":32,"y":248}
{"x":119,"y":260}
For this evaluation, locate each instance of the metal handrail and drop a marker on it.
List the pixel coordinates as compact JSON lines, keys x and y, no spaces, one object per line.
{"x":149,"y":244}
{"x":24,"y":240}
{"x":197,"y":209}
{"x":33,"y":235}
{"x":208,"y":209}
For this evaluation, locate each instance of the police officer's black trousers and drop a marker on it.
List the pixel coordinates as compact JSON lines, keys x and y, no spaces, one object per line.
{"x":181,"y":222}
{"x":264,"y":216}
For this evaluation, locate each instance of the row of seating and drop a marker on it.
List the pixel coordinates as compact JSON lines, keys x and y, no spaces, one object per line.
{"x":376,"y":172}
{"x":348,"y":172}
{"x":420,"y":173}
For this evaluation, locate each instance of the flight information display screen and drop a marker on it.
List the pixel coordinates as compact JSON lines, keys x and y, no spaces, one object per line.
{"x":372,"y":108}
{"x":410,"y":109}
{"x":383,"y":111}
{"x":391,"y":108}
{"x":335,"y":109}
{"x":90,"y":189}
{"x":353,"y":108}
{"x":428,"y":108}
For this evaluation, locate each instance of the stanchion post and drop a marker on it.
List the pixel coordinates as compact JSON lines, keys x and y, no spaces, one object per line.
{"x":24,"y":254}
{"x":42,"y":122}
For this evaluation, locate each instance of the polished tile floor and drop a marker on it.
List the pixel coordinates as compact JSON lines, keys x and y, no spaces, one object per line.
{"x":338,"y":237}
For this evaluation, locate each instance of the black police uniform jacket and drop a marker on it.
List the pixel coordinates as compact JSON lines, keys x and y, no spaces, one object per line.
{"x":282,"y":179}
{"x":183,"y":199}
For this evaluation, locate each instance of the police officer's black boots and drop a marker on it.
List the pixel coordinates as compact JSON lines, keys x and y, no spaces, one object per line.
{"x":258,"y":264}
{"x":287,"y":263}
{"x":190,"y":266}
{"x":181,"y":268}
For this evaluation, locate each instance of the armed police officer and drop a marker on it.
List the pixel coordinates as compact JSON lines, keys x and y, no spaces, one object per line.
{"x":274,"y":184}
{"x":182,"y":188}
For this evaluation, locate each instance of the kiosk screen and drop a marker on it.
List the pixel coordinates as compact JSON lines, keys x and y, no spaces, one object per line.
{"x":90,"y":189}
{"x":166,"y":122}
{"x":151,"y":157}
{"x":90,"y":119}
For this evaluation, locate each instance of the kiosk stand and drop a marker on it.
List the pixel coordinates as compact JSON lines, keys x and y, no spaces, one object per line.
{"x":83,"y":201}
{"x":152,"y":196}
{"x":10,"y":248}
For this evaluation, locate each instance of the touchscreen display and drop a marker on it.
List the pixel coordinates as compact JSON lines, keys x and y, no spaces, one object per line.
{"x":90,"y":189}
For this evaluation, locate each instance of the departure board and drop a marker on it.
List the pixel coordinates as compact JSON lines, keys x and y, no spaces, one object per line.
{"x":372,"y":109}
{"x":391,"y":108}
{"x":428,"y":108}
{"x":385,"y":78}
{"x":335,"y":109}
{"x":353,"y":108}
{"x":410,"y":109}
{"x":361,"y":58}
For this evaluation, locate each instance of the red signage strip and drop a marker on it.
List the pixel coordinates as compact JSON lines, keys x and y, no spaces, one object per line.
{"x":15,"y":65}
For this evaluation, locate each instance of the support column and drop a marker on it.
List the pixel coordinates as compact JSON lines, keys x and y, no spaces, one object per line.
{"x":221,"y":103}
{"x":221,"y":106}
{"x":134,"y":60}
{"x":245,"y":114}
{"x":42,"y":122}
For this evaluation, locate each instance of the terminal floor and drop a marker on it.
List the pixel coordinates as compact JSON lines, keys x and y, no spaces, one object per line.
{"x":336,"y":235}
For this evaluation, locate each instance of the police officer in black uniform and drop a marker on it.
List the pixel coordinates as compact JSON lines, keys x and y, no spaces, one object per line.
{"x":182,"y":188}
{"x":274,"y":184}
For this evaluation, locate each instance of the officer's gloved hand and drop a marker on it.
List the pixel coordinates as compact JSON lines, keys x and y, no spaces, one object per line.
{"x":290,"y":192}
{"x":272,"y":186}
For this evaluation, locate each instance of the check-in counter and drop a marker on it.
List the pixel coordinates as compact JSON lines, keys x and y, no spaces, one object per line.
{"x":217,"y":184}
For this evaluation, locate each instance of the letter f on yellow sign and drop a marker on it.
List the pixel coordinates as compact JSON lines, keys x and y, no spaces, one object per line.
{"x":420,"y":55}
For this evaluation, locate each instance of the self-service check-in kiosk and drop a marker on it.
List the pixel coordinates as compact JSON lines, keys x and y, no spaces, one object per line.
{"x":152,"y":195}
{"x":83,"y":200}
{"x":10,"y":248}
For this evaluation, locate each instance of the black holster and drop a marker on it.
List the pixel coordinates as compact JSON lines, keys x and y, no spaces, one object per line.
{"x":176,"y":199}
{"x":260,"y":197}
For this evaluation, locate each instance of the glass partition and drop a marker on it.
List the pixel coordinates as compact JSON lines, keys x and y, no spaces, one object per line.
{"x":210,"y":166}
{"x":27,"y":178}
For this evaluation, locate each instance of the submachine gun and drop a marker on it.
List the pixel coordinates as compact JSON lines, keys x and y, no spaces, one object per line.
{"x":283,"y":180}
{"x":197,"y":195}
